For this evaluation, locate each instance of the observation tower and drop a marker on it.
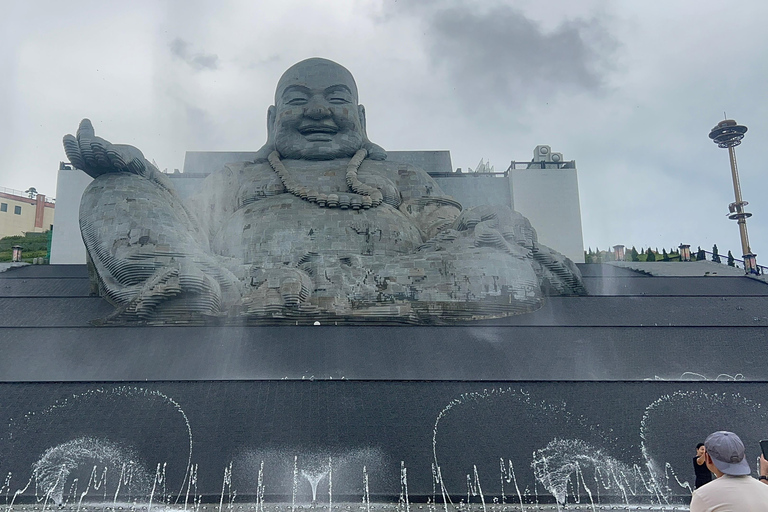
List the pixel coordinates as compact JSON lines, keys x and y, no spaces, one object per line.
{"x":727,"y":134}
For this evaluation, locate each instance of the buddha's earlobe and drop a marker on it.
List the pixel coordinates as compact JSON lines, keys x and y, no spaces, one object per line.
{"x":269,"y":146}
{"x":361,"y":115}
{"x":375,"y":152}
{"x":271,"y":117}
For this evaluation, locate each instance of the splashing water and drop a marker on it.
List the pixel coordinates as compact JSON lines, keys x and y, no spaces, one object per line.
{"x":314,"y":477}
{"x":260,"y":489}
{"x":474,"y":488}
{"x":568,"y":469}
{"x":53,"y":469}
{"x":404,"y":504}
{"x":366,"y":491}
{"x":226,"y":489}
{"x":86,"y":400}
{"x":305,"y":475}
{"x":508,"y":475}
{"x":681,"y":418}
{"x":498,"y":404}
{"x":555,"y":464}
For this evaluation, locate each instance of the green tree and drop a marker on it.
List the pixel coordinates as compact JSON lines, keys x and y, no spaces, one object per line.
{"x":664,"y":255}
{"x":715,"y":254}
{"x":700,"y":254}
{"x":633,"y":254}
{"x":651,"y":256}
{"x":731,"y":261}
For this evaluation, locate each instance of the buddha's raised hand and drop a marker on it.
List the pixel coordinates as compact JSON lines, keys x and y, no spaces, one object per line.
{"x":97,"y":156}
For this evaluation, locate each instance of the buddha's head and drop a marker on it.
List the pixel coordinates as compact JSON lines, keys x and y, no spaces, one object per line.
{"x":316,"y":115}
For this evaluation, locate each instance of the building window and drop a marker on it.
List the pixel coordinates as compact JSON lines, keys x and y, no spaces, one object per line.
{"x":3,"y":207}
{"x":17,"y":210}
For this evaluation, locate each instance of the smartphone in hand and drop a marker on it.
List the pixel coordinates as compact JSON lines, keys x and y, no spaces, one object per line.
{"x":764,"y":448}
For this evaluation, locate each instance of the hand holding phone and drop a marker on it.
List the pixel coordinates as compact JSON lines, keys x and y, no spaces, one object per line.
{"x":764,"y":448}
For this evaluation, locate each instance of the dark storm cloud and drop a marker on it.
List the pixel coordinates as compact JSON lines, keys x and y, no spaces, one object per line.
{"x":181,"y":50}
{"x":499,"y":54}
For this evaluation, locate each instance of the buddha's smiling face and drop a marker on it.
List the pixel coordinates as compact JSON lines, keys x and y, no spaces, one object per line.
{"x":316,"y":115}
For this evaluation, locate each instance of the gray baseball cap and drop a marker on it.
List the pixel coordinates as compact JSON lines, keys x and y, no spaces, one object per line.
{"x":727,"y":452}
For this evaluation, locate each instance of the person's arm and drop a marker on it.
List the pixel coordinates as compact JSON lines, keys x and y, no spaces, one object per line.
{"x":701,"y":459}
{"x":763,"y":470}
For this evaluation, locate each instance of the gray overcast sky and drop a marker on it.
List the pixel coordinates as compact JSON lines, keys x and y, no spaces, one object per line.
{"x":628,"y":89}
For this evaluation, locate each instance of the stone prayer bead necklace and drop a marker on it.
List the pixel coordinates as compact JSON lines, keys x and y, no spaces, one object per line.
{"x":364,"y":196}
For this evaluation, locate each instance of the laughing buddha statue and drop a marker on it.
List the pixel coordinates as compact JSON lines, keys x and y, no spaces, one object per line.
{"x":319,"y":226}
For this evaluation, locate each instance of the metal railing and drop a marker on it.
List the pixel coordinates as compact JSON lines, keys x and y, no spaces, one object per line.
{"x":14,"y":192}
{"x":25,"y":195}
{"x":737,"y":263}
{"x":571,"y":164}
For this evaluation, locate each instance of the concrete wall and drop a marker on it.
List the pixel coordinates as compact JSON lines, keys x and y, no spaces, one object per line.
{"x":187,"y":185}
{"x":431,"y":161}
{"x":475,"y":189}
{"x":550,"y":200}
{"x":67,"y":245}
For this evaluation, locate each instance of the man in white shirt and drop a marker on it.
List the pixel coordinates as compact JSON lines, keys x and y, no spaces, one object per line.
{"x":734,"y":490}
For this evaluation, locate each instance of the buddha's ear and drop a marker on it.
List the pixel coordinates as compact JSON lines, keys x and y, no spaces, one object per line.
{"x":361,"y":114}
{"x":268,"y":146}
{"x":375,"y":152}
{"x":271,"y":116}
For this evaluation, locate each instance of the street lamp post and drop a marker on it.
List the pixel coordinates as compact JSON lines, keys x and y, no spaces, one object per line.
{"x":728,"y":134}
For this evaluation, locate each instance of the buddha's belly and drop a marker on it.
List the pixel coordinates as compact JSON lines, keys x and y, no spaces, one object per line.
{"x":284,"y":229}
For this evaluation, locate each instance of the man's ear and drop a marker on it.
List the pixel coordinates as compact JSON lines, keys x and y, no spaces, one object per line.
{"x":708,"y":461}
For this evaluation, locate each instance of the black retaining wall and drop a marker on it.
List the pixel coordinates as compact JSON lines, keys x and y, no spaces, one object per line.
{"x":378,"y":425}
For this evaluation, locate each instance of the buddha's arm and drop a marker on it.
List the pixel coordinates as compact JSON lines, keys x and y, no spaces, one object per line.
{"x":145,"y":244}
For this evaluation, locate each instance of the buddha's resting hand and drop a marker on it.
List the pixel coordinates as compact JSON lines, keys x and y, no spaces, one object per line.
{"x":509,"y":231}
{"x":497,"y":226}
{"x":97,"y":156}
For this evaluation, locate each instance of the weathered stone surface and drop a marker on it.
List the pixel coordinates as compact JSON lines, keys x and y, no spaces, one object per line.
{"x":319,"y":225}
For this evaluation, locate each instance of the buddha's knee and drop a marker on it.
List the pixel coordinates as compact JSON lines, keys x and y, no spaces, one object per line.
{"x":125,"y":216}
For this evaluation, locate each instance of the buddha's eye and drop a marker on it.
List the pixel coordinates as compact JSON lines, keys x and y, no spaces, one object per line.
{"x":338,"y":95}
{"x":297,"y":101}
